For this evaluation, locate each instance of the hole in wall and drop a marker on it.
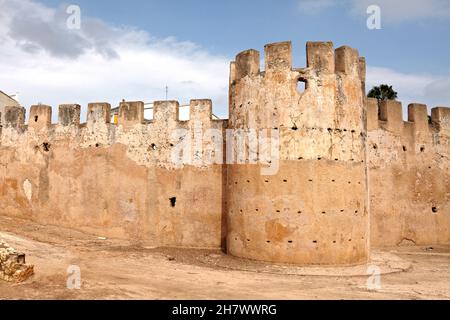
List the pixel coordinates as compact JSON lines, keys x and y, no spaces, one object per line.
{"x":153,"y":146}
{"x":434,"y":209}
{"x":268,"y":241}
{"x":314,"y":241}
{"x":375,"y":146}
{"x":46,"y":146}
{"x":302,"y":85}
{"x":36,"y":118}
{"x":97,"y":145}
{"x":404,"y":148}
{"x":173,"y":201}
{"x":290,"y":241}
{"x":295,"y":128}
{"x":422,"y":149}
{"x":285,"y":180}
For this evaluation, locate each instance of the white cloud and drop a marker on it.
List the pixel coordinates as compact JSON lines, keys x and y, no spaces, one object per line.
{"x":48,"y":63}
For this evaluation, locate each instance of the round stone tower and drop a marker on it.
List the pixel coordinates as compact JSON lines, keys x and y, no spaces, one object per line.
{"x":297,"y":182}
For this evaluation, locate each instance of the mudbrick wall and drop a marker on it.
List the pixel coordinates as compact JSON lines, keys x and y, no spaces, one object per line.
{"x":409,"y":173}
{"x":313,"y":175}
{"x":116,"y":181}
{"x":313,"y":210}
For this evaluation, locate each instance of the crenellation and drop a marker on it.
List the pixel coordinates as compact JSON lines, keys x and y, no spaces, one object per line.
{"x":40,"y":117}
{"x":99,"y":112}
{"x":69,"y":115}
{"x":320,"y":57}
{"x":372,"y":114}
{"x":14,"y":116}
{"x":347,"y":61}
{"x":232,"y":72}
{"x":247,"y":64}
{"x":166,"y":111}
{"x":392,"y":114}
{"x":131,"y":113}
{"x":201,"y":110}
{"x":362,"y":71}
{"x":407,"y":157}
{"x":418,"y":114}
{"x":278,"y":56}
{"x":441,"y":117}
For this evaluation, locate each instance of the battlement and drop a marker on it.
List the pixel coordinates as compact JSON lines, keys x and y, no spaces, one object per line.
{"x":130,"y":113}
{"x":322,"y":59}
{"x":69,"y":115}
{"x":298,"y":193}
{"x":14,"y":116}
{"x":388,"y":115}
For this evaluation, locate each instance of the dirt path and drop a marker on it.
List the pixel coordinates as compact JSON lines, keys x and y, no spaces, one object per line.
{"x":114,"y":269}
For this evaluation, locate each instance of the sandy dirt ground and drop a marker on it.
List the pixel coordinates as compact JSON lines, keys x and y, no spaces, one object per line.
{"x":115,"y":269}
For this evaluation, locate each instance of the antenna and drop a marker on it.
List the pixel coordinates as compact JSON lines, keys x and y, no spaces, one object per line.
{"x":167,"y":92}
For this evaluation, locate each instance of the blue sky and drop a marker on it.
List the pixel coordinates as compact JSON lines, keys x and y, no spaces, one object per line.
{"x":411,"y":51}
{"x":228,"y":27}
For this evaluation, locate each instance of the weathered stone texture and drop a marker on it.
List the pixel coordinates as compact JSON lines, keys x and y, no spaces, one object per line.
{"x":409,"y":171}
{"x":119,"y":181}
{"x":314,"y":209}
{"x":348,"y":173}
{"x":12,"y":264}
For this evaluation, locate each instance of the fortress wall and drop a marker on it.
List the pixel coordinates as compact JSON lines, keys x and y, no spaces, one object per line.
{"x":117,"y":181}
{"x":313,"y":209}
{"x":409,"y":172}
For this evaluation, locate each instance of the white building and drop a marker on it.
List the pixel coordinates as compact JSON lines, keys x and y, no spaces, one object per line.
{"x":6,"y":101}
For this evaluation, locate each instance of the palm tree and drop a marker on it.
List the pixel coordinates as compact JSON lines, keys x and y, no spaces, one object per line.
{"x":382,"y":93}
